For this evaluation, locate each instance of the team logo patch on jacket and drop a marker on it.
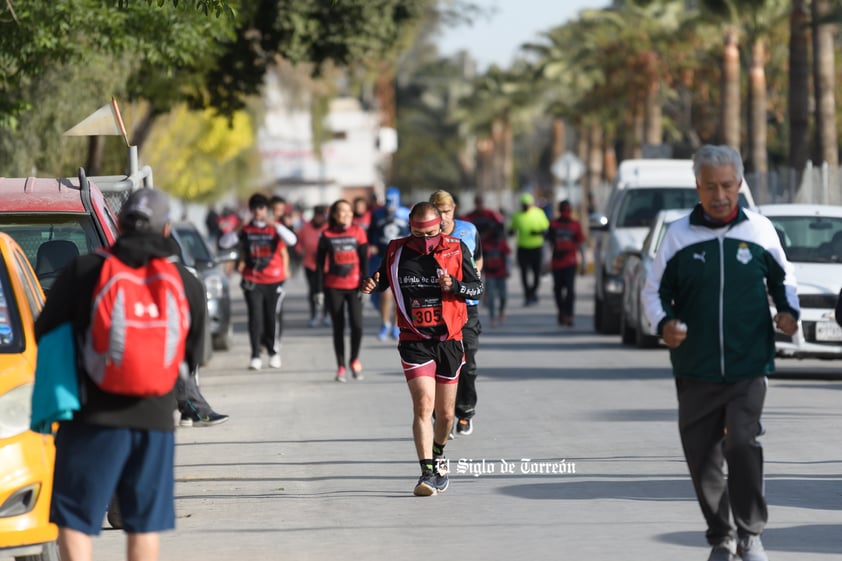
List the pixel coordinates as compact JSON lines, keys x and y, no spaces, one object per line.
{"x":743,"y":253}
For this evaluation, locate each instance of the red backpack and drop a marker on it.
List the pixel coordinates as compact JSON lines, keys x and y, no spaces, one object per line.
{"x":139,"y":323}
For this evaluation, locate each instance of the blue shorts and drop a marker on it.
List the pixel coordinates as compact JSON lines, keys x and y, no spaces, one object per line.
{"x":93,"y":463}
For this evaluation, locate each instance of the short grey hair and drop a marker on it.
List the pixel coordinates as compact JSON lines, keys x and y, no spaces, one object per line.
{"x":711,"y":155}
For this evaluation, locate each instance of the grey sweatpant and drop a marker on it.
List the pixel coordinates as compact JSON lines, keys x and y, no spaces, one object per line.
{"x":719,"y":423}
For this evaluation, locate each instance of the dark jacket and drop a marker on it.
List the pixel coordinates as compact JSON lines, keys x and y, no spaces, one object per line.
{"x":70,"y":300}
{"x":718,"y":281}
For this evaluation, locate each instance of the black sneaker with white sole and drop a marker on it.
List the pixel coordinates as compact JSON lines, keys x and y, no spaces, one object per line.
{"x":464,"y":427}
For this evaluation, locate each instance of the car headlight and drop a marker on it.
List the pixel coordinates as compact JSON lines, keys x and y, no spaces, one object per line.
{"x":214,"y":287}
{"x":15,"y":411}
{"x":614,"y":285}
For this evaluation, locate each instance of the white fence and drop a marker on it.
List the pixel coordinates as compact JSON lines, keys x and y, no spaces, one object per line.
{"x":817,"y":185}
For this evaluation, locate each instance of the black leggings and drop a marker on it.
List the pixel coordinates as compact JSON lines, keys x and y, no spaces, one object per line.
{"x":335,"y":300}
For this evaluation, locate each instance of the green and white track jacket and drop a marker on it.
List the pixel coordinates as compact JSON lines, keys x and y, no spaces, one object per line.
{"x":715,"y":280}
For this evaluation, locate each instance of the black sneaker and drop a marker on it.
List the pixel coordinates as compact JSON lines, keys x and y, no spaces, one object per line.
{"x":193,"y":419}
{"x":442,"y":482}
{"x":464,"y":427}
{"x":426,"y":485}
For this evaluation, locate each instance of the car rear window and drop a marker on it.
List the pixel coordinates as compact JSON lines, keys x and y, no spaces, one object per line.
{"x":33,"y":234}
{"x":810,"y":239}
{"x":194,"y":245}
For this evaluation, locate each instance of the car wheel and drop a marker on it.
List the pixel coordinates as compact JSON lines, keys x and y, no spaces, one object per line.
{"x":609,"y":322}
{"x":49,"y":553}
{"x":627,"y":332}
{"x":642,"y":340}
{"x":597,"y":314}
{"x":223,"y":341}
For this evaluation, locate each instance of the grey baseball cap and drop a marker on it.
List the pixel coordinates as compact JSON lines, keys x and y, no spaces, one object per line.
{"x":151,"y":204}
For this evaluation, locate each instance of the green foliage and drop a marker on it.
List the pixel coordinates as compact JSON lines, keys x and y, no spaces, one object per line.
{"x":345,"y":33}
{"x":430,"y":140}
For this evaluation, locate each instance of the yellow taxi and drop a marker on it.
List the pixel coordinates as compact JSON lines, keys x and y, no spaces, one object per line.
{"x":26,"y":457}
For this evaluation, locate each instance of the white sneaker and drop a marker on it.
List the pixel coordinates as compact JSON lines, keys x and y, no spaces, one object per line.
{"x":275,"y":361}
{"x":314,"y":322}
{"x":255,"y":364}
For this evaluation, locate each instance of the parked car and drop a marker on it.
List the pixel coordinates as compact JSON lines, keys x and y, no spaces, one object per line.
{"x":53,"y":220}
{"x":637,"y":266}
{"x":197,"y":254}
{"x":27,"y":457}
{"x":811,"y":236}
{"x":642,"y":188}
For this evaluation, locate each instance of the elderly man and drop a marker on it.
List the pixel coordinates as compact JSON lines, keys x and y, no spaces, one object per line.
{"x":707,"y":295}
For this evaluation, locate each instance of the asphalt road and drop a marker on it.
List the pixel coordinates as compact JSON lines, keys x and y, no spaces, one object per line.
{"x":575,"y":454}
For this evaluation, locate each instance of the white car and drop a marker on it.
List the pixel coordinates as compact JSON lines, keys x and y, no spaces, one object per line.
{"x":811,"y":236}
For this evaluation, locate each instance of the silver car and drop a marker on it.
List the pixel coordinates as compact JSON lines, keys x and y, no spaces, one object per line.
{"x":637,"y":266}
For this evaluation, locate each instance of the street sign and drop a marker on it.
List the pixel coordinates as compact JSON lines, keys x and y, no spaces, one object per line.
{"x":568,"y":168}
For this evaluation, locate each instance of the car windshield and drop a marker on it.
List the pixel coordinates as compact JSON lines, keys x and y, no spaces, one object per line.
{"x":810,"y":239}
{"x":640,"y":206}
{"x":194,"y":245}
{"x":11,"y":332}
{"x":51,"y":241}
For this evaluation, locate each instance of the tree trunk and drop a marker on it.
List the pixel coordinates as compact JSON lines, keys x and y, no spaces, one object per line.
{"x":799,"y":90}
{"x":653,"y":127}
{"x":95,"y":151}
{"x":729,"y":125}
{"x":558,"y":144}
{"x":144,"y":126}
{"x":594,"y":160}
{"x":824,"y":83}
{"x":507,"y":153}
{"x":757,"y":121}
{"x":484,"y":166}
{"x":654,"y":131}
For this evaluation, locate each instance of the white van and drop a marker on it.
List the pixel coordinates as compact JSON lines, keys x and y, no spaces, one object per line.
{"x":642,"y":188}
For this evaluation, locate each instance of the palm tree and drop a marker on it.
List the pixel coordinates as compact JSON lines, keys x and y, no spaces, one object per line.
{"x":826,"y":140}
{"x":799,"y":80}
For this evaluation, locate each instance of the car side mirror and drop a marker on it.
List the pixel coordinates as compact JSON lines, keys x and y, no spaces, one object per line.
{"x":227,"y":256}
{"x":598,"y":222}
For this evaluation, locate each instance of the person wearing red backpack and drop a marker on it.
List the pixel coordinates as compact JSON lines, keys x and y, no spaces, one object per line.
{"x":137,"y":317}
{"x":264,"y":267}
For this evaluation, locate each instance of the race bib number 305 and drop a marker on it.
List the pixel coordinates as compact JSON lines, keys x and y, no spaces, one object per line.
{"x":427,"y":313}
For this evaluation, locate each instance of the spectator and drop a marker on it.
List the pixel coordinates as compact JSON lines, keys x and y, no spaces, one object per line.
{"x":136,"y":431}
